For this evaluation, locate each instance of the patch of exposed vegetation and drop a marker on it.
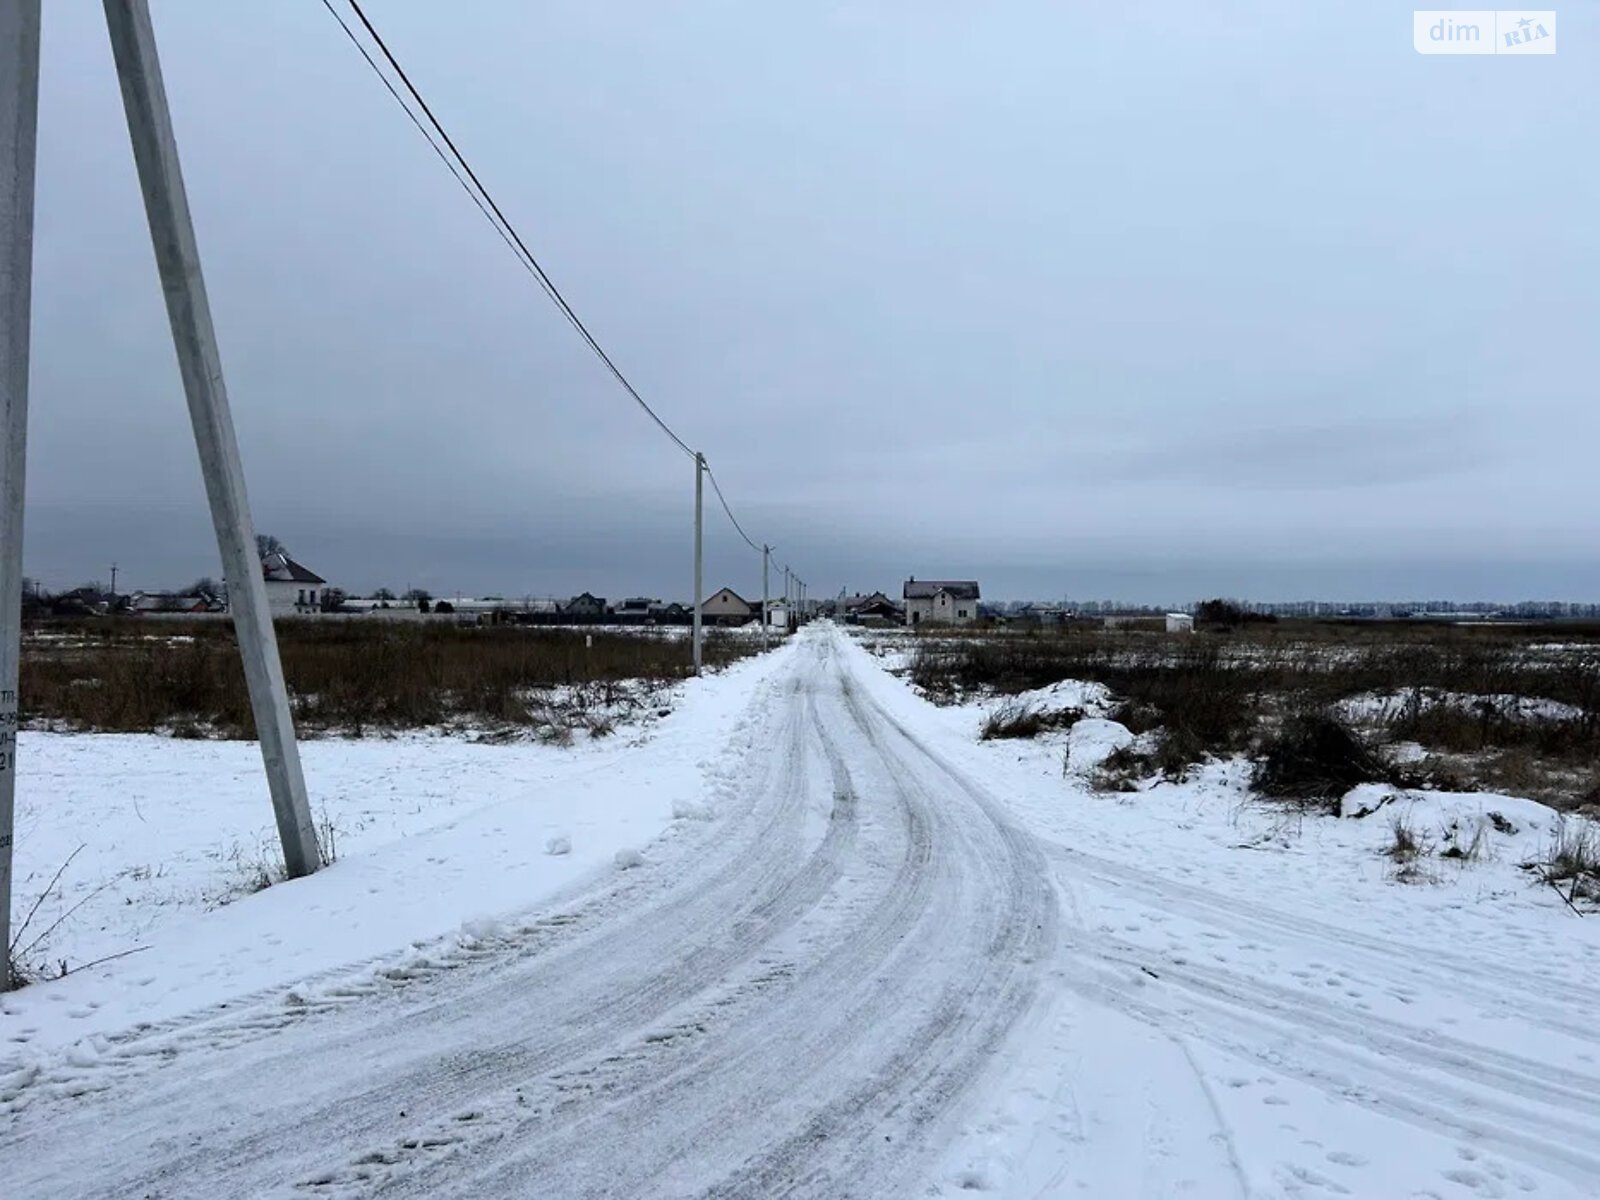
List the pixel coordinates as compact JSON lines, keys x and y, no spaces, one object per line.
{"x":184,"y":678}
{"x":1487,"y":708}
{"x":1014,"y":720}
{"x":1314,"y":759}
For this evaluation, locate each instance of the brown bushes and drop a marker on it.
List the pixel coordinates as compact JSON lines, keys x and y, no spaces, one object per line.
{"x":347,"y":675}
{"x":1022,"y":721}
{"x":1315,"y":759}
{"x":1215,"y":694}
{"x":1204,"y":703}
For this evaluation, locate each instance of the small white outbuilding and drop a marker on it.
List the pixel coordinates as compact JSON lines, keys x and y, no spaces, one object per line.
{"x":1180,"y":623}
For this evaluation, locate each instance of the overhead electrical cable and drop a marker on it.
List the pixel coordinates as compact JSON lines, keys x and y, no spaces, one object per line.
{"x":526,"y":255}
{"x":717,"y":487}
{"x":507,"y":232}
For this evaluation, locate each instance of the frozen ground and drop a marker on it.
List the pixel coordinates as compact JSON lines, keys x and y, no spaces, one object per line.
{"x":813,"y":938}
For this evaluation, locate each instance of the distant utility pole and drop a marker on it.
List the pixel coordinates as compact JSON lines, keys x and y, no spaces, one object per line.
{"x":788,"y":609}
{"x":699,"y":545}
{"x":113,"y":581}
{"x":155,"y":154}
{"x":766,"y":615}
{"x":19,"y":131}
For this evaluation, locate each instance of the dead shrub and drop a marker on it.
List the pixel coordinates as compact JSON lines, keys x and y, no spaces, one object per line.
{"x":1571,"y":862}
{"x":1407,"y":850}
{"x":1137,"y":718}
{"x":1462,"y":848}
{"x":1431,"y":774}
{"x":1315,"y":759}
{"x":1406,"y":844}
{"x":1177,"y":749}
{"x":1013,"y":720}
{"x":1121,"y":771}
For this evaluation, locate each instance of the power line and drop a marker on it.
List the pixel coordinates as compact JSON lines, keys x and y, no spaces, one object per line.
{"x":527,"y":256}
{"x":717,"y":487}
{"x":423,"y":130}
{"x":492,"y":213}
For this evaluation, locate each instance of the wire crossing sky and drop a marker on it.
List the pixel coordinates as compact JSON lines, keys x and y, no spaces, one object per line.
{"x":1149,"y":304}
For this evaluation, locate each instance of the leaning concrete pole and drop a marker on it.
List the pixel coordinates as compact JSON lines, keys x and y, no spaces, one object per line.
{"x":155,"y":153}
{"x":699,"y":546}
{"x":19,"y":129}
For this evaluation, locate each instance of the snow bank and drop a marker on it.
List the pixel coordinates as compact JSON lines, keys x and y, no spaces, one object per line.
{"x":1386,"y":706}
{"x":169,"y":837}
{"x":1093,"y":740}
{"x":1094,"y":698}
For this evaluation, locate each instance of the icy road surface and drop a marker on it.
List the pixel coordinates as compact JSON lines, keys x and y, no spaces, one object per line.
{"x":883,"y":968}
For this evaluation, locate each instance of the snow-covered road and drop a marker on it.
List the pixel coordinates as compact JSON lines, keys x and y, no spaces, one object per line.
{"x":892,"y":965}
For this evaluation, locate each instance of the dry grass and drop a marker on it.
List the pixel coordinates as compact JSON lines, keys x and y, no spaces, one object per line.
{"x":1223,"y":693}
{"x":1013,"y":720}
{"x":344,"y":676}
{"x":1571,"y":862}
{"x":1407,"y":850}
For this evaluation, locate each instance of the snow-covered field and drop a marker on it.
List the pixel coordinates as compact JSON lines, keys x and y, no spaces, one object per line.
{"x":810,"y":936}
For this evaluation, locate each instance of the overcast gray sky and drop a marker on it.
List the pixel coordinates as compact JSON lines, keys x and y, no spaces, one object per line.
{"x":1132,"y":300}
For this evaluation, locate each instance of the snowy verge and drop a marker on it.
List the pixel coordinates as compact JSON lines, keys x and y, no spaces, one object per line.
{"x":1249,"y":999}
{"x":431,"y":833}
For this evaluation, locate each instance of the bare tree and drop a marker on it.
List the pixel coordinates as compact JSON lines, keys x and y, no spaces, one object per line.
{"x":383,"y":594}
{"x":266,"y":545}
{"x":205,"y":586}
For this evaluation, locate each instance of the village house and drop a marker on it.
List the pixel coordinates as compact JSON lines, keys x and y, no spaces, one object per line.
{"x":727,"y":607}
{"x":635,"y":610}
{"x":586,"y":609}
{"x":874,"y":607}
{"x":292,"y":589}
{"x":945,"y":601}
{"x":145,"y":603}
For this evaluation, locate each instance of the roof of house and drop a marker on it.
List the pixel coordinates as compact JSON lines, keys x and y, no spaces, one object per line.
{"x":927,"y":589}
{"x":858,"y":601}
{"x":168,"y":602}
{"x":281,"y":568}
{"x":730,"y":594}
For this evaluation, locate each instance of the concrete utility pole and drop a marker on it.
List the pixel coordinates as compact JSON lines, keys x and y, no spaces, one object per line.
{"x":19,"y":140}
{"x":699,"y":545}
{"x":766,"y":615}
{"x":155,"y":153}
{"x":788,"y":608}
{"x":113,"y":581}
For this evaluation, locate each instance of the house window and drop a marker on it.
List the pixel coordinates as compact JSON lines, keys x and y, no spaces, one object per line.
{"x":961,"y":612}
{"x":302,"y":599}
{"x":314,"y":598}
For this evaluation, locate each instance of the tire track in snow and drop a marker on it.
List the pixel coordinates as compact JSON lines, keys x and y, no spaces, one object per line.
{"x":1537,"y":1112}
{"x":851,"y":1004}
{"x":1457,"y":1090}
{"x":1248,"y":919}
{"x":773,"y":1003}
